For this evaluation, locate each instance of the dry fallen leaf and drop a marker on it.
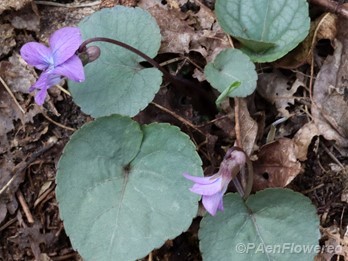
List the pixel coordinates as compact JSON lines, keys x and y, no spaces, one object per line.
{"x":324,"y":27}
{"x":334,"y":244}
{"x":12,"y":4}
{"x":276,"y":165}
{"x":7,"y":39}
{"x":32,"y":237}
{"x":275,"y":88}
{"x":185,"y":32}
{"x":26,"y":19}
{"x":303,"y":139}
{"x":329,"y":105}
{"x":248,"y":128}
{"x":17,"y":74}
{"x":175,"y":31}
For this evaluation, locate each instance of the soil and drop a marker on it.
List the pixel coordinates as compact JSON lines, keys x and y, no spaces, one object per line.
{"x":31,"y":145}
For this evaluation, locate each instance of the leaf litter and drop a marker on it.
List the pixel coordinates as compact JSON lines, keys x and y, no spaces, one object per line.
{"x":188,"y":28}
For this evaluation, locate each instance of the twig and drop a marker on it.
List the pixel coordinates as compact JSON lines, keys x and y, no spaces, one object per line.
{"x":331,"y":155}
{"x":25,"y":206}
{"x":63,"y":90}
{"x":178,"y":117}
{"x":170,"y":61}
{"x":11,"y":94}
{"x":57,"y":123}
{"x":8,"y":223}
{"x":341,"y":219}
{"x":237,"y":123}
{"x":25,"y":163}
{"x":213,"y":121}
{"x":70,"y":256}
{"x":43,"y":196}
{"x":312,"y":58}
{"x":150,"y":258}
{"x":312,"y":189}
{"x":68,"y":5}
{"x":332,"y":6}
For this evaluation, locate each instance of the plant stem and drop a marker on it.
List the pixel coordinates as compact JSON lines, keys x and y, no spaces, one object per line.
{"x":245,"y":190}
{"x":201,"y":100}
{"x":128,"y":47}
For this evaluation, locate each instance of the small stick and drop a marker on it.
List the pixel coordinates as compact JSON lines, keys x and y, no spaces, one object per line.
{"x":331,"y":155}
{"x":63,"y":90}
{"x":43,"y":196}
{"x":26,"y":162}
{"x":57,"y":123}
{"x":213,"y":121}
{"x":312,"y":189}
{"x":174,"y":60}
{"x":68,"y":5}
{"x":237,"y":123}
{"x":25,"y":206}
{"x":150,"y":258}
{"x":183,"y":120}
{"x":8,"y":223}
{"x":70,"y":256}
{"x":11,"y":94}
{"x":312,"y":59}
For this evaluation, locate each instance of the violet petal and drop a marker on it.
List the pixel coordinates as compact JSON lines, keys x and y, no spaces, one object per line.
{"x":64,"y":43}
{"x":200,"y":180}
{"x":221,"y":205}
{"x":40,"y":96}
{"x":45,"y":81}
{"x":212,"y":203}
{"x":37,"y":55}
{"x":72,"y":69}
{"x":208,"y":189}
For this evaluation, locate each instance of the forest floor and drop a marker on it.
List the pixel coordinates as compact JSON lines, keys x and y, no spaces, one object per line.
{"x":303,"y":89}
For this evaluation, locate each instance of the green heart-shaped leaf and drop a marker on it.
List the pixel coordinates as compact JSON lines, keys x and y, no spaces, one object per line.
{"x":274,"y":224}
{"x":120,"y":187}
{"x":231,"y":67}
{"x":267,"y":29}
{"x":116,"y":82}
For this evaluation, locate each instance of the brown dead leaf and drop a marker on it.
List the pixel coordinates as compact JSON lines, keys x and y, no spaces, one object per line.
{"x":276,"y":165}
{"x":8,"y":113}
{"x":185,"y":32}
{"x":324,"y":27}
{"x":26,"y":19}
{"x":175,"y":31}
{"x":329,"y":105}
{"x":32,"y":237}
{"x":303,"y":139}
{"x":12,"y":4}
{"x":275,"y":88}
{"x":334,"y":244}
{"x":17,"y":74}
{"x":19,"y":79}
{"x":7,"y":39}
{"x":248,"y":128}
{"x":3,"y":212}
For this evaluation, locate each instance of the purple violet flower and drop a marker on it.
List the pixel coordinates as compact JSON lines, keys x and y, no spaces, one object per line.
{"x":55,"y":61}
{"x":214,"y":187}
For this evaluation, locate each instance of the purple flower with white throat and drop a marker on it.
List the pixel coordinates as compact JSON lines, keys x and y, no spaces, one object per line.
{"x":58,"y":60}
{"x":214,"y":187}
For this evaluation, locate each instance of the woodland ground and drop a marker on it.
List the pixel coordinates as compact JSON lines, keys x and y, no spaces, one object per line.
{"x":312,"y":141}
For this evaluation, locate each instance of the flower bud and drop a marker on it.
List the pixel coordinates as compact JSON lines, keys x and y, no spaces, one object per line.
{"x":93,"y":53}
